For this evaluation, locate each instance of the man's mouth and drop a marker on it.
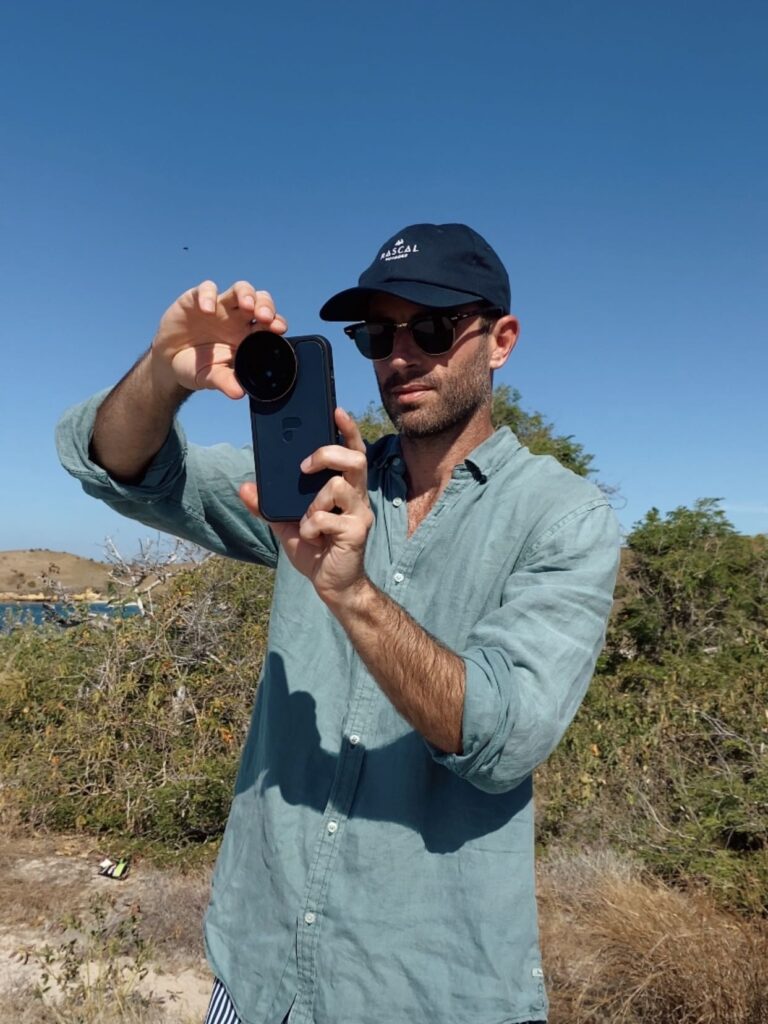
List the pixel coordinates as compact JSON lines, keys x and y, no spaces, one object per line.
{"x":411,"y":388}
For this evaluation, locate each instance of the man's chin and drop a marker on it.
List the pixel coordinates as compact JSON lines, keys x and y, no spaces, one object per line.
{"x":415,"y":424}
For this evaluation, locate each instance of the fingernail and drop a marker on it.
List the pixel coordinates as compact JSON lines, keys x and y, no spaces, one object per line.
{"x":208,"y":305}
{"x":265,"y":311}
{"x":306,"y":463}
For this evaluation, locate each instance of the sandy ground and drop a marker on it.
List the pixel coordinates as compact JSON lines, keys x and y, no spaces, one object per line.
{"x":46,"y":881}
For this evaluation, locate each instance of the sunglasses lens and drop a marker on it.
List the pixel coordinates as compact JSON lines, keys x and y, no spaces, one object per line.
{"x":373,"y":340}
{"x":434,"y":334}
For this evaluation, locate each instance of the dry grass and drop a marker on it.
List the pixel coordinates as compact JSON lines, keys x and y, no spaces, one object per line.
{"x":23,"y":1006}
{"x":172,"y":909}
{"x":620,"y":948}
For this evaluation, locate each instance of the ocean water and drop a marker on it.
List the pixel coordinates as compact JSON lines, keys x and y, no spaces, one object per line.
{"x":33,"y":612}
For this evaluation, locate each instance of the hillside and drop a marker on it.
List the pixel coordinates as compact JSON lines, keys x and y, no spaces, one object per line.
{"x":22,"y":573}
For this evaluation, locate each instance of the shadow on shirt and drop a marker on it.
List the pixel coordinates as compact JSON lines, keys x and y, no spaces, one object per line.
{"x":399,"y":782}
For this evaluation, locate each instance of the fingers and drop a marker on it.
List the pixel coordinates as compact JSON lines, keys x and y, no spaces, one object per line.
{"x":338,"y":493}
{"x":243,"y":295}
{"x":249,"y":495}
{"x":349,"y":430}
{"x":219,"y":378}
{"x":240,"y":302}
{"x":287,"y":533}
{"x":258,"y":305}
{"x":351,"y":461}
{"x":328,"y":524}
{"x":210,"y":365}
{"x":205,"y":296}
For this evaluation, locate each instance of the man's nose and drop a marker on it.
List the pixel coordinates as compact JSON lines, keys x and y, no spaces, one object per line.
{"x":404,"y":348}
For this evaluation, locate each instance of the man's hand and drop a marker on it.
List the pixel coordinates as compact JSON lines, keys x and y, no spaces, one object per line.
{"x":199,"y":334}
{"x":194,"y":348}
{"x":328,"y":546}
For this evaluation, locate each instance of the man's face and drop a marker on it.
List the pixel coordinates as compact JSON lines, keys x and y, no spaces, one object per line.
{"x":427,"y":395}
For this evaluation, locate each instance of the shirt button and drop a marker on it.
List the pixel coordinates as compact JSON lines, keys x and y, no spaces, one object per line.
{"x":354,"y":739}
{"x":310,"y":917}
{"x":332,"y":827}
{"x":398,"y":577}
{"x":397,"y":502}
{"x":397,"y":461}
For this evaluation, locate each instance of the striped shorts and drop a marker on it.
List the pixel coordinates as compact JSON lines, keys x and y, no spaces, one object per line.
{"x":220,"y":1008}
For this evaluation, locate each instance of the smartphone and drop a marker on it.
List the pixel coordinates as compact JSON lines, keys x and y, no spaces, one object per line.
{"x":290,"y":388}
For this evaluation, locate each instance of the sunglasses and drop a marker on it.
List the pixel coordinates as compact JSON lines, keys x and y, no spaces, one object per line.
{"x":434,"y":333}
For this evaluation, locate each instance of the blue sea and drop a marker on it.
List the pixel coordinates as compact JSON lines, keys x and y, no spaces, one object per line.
{"x":34,"y":611}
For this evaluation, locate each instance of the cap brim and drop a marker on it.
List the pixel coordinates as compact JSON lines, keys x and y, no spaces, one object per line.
{"x":354,"y":303}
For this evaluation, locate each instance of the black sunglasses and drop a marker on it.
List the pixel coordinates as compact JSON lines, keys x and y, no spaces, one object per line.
{"x":434,"y":333}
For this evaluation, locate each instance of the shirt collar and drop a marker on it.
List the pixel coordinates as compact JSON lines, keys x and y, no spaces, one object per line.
{"x":492,"y":453}
{"x":383,"y":452}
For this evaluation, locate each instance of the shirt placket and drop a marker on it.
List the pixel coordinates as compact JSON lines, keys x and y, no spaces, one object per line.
{"x":350,"y":762}
{"x":392,"y":577}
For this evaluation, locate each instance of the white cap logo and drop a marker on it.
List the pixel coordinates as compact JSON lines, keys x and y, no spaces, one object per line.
{"x":399,"y":251}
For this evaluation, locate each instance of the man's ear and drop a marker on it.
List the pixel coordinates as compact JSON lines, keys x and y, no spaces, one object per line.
{"x":502,"y":338}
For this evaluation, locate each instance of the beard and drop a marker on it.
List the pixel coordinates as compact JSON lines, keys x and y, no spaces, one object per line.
{"x":459,"y":396}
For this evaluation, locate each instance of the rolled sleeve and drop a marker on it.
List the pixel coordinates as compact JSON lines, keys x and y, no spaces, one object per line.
{"x":187,"y":490}
{"x":529,"y":662}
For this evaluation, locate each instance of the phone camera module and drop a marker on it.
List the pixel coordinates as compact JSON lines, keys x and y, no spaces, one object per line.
{"x":266,"y":366}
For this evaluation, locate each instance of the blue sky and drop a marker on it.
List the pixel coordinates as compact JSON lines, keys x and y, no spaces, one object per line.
{"x":614,"y":154}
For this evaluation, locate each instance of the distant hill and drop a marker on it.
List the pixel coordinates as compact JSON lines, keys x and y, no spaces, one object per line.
{"x":22,"y":573}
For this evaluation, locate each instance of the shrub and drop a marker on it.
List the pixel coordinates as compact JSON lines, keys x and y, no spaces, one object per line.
{"x":135,"y":727}
{"x":667,"y":756}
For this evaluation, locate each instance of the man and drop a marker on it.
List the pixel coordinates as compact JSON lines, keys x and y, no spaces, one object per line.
{"x":430,"y":641}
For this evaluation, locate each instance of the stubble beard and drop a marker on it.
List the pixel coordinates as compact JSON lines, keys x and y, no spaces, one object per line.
{"x":460,"y":398}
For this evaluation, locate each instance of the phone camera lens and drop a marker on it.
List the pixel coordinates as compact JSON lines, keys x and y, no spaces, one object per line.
{"x":267,"y":372}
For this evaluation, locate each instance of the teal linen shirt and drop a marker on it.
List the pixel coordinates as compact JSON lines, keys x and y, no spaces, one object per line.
{"x":366,"y":877}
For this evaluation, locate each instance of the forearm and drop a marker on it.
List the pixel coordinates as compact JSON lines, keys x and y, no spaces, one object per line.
{"x":423,"y":680}
{"x":134,"y":420}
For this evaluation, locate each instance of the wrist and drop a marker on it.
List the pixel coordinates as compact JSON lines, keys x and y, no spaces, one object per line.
{"x":162,"y":379}
{"x":352,"y":601}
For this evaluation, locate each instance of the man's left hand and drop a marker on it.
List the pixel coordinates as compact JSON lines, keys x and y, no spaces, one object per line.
{"x":328,"y":546}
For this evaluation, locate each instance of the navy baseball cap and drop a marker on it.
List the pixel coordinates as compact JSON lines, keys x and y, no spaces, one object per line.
{"x":436,"y":265}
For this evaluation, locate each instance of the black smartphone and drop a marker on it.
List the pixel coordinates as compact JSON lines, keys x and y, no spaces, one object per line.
{"x":290,"y":388}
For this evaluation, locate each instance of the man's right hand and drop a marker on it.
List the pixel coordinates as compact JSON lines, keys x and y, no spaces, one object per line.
{"x":199,"y":334}
{"x":194,"y":348}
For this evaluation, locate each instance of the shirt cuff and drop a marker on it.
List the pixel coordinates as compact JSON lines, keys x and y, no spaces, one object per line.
{"x":73,"y":438}
{"x":487,"y":719}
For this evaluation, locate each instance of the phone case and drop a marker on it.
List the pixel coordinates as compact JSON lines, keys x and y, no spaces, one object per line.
{"x":286,"y":431}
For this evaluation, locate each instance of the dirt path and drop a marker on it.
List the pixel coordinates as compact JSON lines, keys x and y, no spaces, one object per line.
{"x":48,"y":882}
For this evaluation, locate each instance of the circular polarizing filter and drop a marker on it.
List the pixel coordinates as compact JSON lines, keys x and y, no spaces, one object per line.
{"x":266,"y":366}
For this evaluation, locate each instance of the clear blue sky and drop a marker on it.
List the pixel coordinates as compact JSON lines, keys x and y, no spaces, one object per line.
{"x":615,"y":154}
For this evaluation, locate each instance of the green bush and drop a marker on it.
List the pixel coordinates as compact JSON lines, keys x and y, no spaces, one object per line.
{"x":692,"y":585}
{"x":667,"y":757}
{"x":135,"y":727}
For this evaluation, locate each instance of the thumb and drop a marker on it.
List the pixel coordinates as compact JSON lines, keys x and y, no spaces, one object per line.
{"x":219,"y":378}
